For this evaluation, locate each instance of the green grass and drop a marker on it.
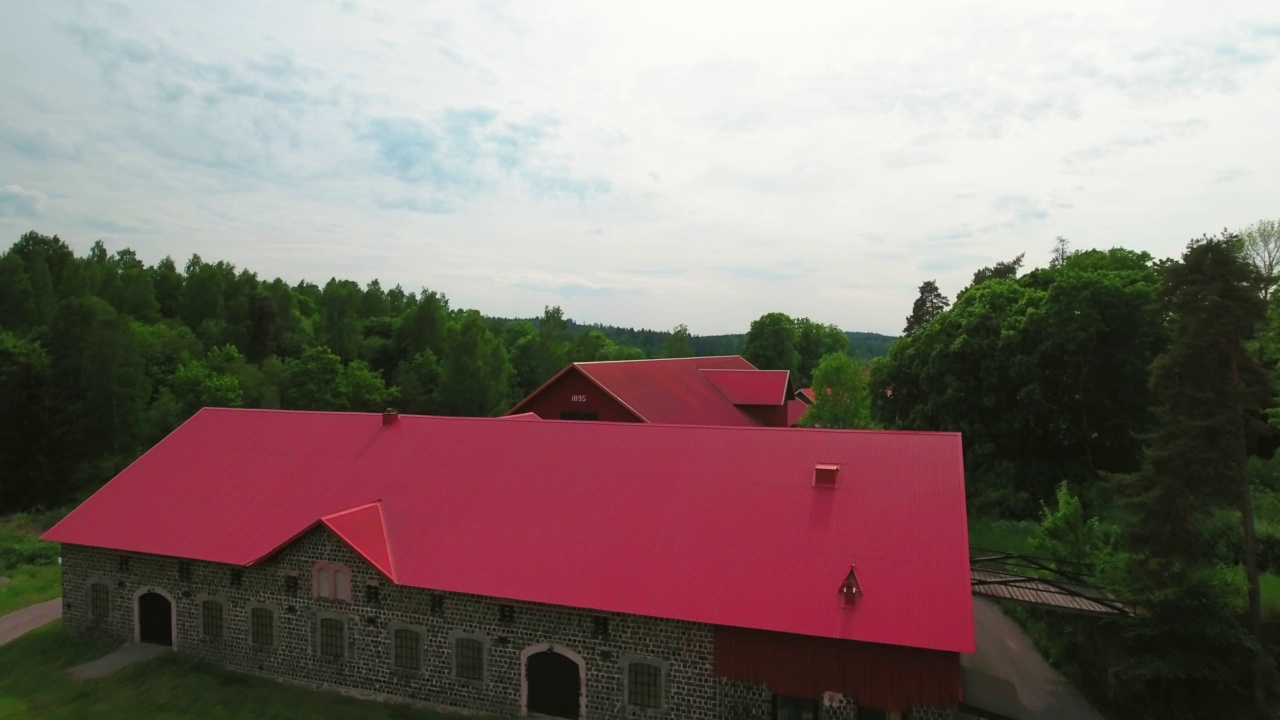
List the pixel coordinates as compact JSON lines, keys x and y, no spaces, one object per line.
{"x":30,"y":584}
{"x":30,"y":563}
{"x":1002,"y":535}
{"x":34,"y":684}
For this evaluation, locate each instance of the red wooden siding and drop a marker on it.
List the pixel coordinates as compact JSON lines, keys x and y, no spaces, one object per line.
{"x":885,"y":677}
{"x":559,"y":395}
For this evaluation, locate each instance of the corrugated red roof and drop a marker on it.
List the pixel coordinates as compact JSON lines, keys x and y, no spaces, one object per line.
{"x":751,"y":387}
{"x":669,"y":391}
{"x":363,"y":529}
{"x":706,"y":524}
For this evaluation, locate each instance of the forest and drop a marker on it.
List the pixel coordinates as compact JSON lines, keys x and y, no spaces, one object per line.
{"x":103,"y":355}
{"x":1123,"y":405}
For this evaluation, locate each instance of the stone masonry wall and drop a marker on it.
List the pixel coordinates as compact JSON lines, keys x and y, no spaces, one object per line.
{"x":377,"y":608}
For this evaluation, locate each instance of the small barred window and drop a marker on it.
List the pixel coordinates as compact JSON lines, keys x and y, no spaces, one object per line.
{"x":469,"y":659}
{"x":644,"y":685}
{"x":99,"y":600}
{"x":262,"y":626}
{"x":333,"y":637}
{"x":408,"y":650}
{"x":211,"y":618}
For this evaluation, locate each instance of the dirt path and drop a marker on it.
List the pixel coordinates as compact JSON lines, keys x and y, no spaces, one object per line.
{"x":127,"y":655}
{"x":19,"y":622}
{"x":1008,"y":676}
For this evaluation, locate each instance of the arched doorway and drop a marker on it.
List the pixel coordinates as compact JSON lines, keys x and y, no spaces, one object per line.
{"x":155,"y":619}
{"x":554,"y":684}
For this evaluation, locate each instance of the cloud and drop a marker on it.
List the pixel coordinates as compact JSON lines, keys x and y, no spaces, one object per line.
{"x":579,"y":289}
{"x":17,"y":201}
{"x":1228,"y":175}
{"x":1158,"y":134}
{"x":765,"y":274}
{"x":432,"y":206}
{"x":1020,"y":208}
{"x":948,"y":263}
{"x":463,"y":152}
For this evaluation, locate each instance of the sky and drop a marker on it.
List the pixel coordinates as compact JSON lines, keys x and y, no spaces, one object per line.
{"x":640,"y":164}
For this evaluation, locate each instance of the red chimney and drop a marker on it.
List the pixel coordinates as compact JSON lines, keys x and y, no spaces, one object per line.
{"x":824,"y":474}
{"x":389,"y":416}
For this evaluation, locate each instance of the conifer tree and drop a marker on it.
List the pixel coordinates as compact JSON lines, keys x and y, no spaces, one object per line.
{"x":1208,"y":391}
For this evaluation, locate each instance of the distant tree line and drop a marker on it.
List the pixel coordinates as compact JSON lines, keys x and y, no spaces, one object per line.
{"x":102,"y":355}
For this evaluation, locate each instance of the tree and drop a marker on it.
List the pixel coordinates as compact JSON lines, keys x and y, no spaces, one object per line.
{"x":475,"y":374}
{"x":840,"y":397}
{"x":1044,"y":375}
{"x":17,"y":299}
{"x":771,"y":343}
{"x":314,"y":381}
{"x":678,"y":344}
{"x":930,"y":304}
{"x":814,"y":342}
{"x":339,"y":326}
{"x":1262,"y":248}
{"x":1209,"y":393}
{"x":1006,"y":270}
{"x":1061,"y":251}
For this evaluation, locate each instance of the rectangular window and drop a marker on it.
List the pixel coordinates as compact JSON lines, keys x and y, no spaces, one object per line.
{"x":408,"y":650}
{"x":792,"y":708}
{"x":600,"y":626}
{"x":644,"y":685}
{"x":469,"y":658}
{"x":333,"y":637}
{"x":262,"y":626}
{"x":99,"y":600}
{"x":211,"y":618}
{"x":567,"y":415}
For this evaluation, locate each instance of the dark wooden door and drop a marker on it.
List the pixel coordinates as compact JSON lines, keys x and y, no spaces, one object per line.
{"x":155,"y":619}
{"x":555,"y":687}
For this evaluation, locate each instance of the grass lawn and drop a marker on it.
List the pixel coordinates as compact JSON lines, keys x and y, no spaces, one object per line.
{"x":30,"y":584}
{"x":34,"y":684}
{"x":31,"y":564}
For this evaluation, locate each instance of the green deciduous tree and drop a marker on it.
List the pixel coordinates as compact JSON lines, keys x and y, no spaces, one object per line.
{"x":841,"y":400}
{"x":1044,"y":375}
{"x":771,"y":343}
{"x":815,"y":341}
{"x":475,"y":375}
{"x":678,"y":344}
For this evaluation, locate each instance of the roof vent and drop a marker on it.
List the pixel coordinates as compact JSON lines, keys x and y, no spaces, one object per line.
{"x":824,"y":474}
{"x":850,"y":589}
{"x":389,"y":416}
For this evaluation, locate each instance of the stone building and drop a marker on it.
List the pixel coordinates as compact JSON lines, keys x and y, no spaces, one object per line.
{"x":567,"y":569}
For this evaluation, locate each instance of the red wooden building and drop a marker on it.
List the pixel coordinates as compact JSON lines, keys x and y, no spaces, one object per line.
{"x":724,"y":390}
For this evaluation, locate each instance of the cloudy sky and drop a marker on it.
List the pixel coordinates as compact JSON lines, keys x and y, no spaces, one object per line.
{"x":638,"y":163}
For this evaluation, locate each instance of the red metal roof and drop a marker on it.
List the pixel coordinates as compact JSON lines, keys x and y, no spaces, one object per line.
{"x":666,"y":391}
{"x":707,"y":524}
{"x":751,"y":387}
{"x":363,"y":529}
